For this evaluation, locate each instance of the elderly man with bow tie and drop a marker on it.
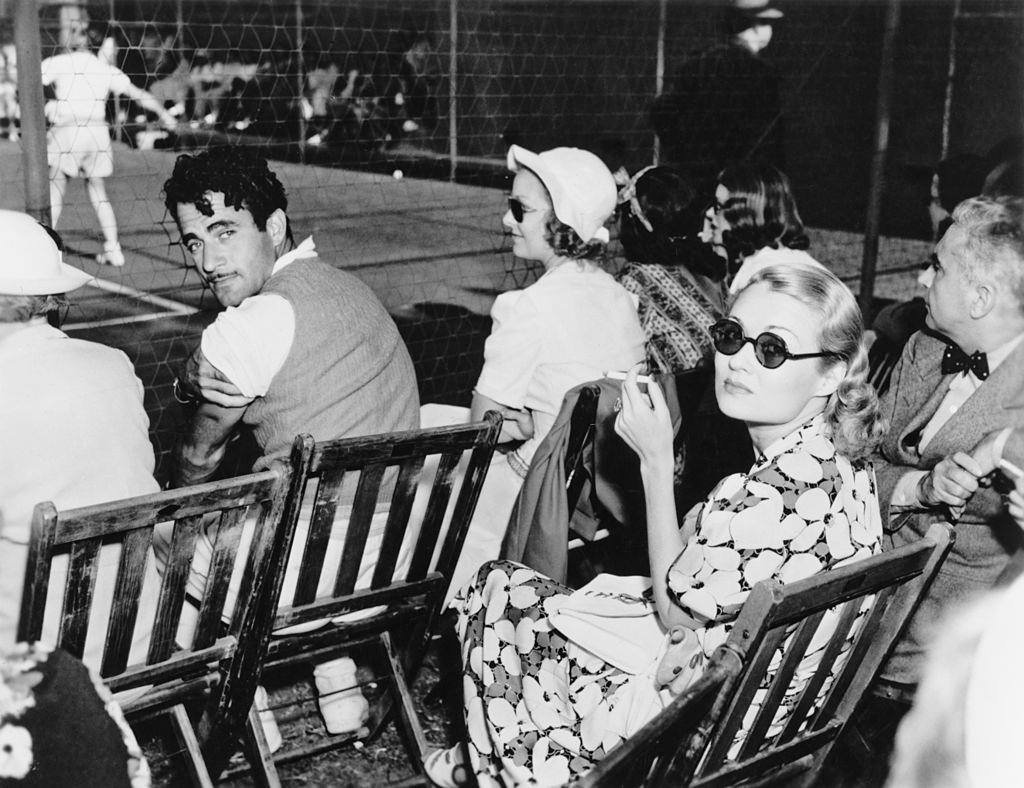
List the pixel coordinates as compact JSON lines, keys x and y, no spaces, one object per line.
{"x":953,"y":401}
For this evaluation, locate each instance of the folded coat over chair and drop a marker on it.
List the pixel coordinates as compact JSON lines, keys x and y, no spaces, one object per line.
{"x":538,"y":532}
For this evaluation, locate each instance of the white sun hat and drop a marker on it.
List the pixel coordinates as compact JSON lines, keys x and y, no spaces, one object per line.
{"x":583,"y":191}
{"x":30,"y":262}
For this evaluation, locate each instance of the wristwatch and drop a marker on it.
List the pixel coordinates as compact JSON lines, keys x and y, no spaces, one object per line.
{"x":181,"y":397}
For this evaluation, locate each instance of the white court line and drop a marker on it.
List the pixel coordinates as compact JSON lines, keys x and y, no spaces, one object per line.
{"x":141,"y":295}
{"x":119,"y":321}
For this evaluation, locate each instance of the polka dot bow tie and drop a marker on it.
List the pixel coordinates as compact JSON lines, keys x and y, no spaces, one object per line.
{"x":955,"y":360}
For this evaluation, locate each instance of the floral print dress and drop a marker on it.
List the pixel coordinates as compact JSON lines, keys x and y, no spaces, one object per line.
{"x":542,"y":710}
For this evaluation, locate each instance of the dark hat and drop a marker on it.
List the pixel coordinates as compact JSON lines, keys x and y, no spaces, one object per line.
{"x":757,"y":9}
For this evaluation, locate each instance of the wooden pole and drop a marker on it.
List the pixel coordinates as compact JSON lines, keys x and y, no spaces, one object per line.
{"x":659,"y":72}
{"x":453,"y":89}
{"x":877,"y":184}
{"x":947,"y":104}
{"x":300,"y":78}
{"x":33,"y":122}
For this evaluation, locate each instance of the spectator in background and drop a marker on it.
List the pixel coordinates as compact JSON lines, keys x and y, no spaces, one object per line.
{"x":724,"y":105}
{"x":72,"y":426}
{"x":10,"y":113}
{"x":78,"y":143}
{"x":418,"y":84}
{"x":753,"y":222}
{"x":680,"y":297}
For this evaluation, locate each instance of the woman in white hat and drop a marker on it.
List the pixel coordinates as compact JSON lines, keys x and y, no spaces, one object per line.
{"x":569,"y":327}
{"x":72,"y":426}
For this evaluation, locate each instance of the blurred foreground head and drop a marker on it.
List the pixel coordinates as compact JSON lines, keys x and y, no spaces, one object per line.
{"x":33,"y":274}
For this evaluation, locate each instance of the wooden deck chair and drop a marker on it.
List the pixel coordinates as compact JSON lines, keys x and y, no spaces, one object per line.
{"x":398,"y":611}
{"x":221,"y":663}
{"x":872,"y":600}
{"x":694,"y":741}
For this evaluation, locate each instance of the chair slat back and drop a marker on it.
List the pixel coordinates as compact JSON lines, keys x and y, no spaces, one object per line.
{"x":390,"y":470}
{"x":853,"y":614}
{"x":359,"y":523}
{"x":398,"y":521}
{"x":82,"y":533}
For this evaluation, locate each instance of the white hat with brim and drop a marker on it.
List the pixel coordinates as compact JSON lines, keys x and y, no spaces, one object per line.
{"x":582,"y":189}
{"x":30,"y":262}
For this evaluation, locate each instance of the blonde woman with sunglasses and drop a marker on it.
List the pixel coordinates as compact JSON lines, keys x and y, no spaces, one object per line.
{"x":544,"y":706}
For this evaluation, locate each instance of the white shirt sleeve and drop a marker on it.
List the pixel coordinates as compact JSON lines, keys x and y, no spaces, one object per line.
{"x":512,"y":350}
{"x":250,"y":342}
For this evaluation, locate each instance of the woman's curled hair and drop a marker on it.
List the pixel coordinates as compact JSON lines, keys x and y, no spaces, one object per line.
{"x":566,"y":242}
{"x":852,"y":413}
{"x":761,"y":211}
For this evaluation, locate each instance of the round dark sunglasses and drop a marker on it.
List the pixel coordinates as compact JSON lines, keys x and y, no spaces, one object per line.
{"x":769,"y":349}
{"x":518,"y":209}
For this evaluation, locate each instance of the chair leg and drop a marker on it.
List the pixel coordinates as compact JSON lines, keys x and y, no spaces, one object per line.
{"x":257,"y":752}
{"x":407,"y":717}
{"x":186,"y":736}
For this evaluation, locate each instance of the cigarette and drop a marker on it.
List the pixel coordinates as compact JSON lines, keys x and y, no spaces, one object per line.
{"x":616,"y":375}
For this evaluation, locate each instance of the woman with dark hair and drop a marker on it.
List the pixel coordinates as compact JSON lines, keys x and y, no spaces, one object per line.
{"x":680,"y":293}
{"x":546,"y":699}
{"x":754,"y":223}
{"x":570,"y":326}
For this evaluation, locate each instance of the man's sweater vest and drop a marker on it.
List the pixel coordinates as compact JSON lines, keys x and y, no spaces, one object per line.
{"x":348,"y":372}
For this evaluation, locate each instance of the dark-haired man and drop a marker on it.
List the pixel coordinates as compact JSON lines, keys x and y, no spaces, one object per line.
{"x":302,"y":346}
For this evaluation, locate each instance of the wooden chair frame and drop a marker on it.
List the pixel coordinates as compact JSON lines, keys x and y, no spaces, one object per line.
{"x":402,"y":630}
{"x":222,"y":662}
{"x":782,"y":617}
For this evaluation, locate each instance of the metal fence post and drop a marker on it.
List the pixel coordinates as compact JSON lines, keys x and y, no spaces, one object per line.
{"x":300,"y":78}
{"x":33,"y":122}
{"x":877,"y":187}
{"x":659,"y":71}
{"x":453,"y":89}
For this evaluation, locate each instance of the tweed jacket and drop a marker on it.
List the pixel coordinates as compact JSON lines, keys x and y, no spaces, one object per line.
{"x":986,"y":537}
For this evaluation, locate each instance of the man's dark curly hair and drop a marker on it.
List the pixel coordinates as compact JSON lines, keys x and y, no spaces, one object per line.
{"x":760,"y":211}
{"x":239,"y":173}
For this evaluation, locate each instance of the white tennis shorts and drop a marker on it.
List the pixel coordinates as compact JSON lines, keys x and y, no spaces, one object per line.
{"x":80,"y":151}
